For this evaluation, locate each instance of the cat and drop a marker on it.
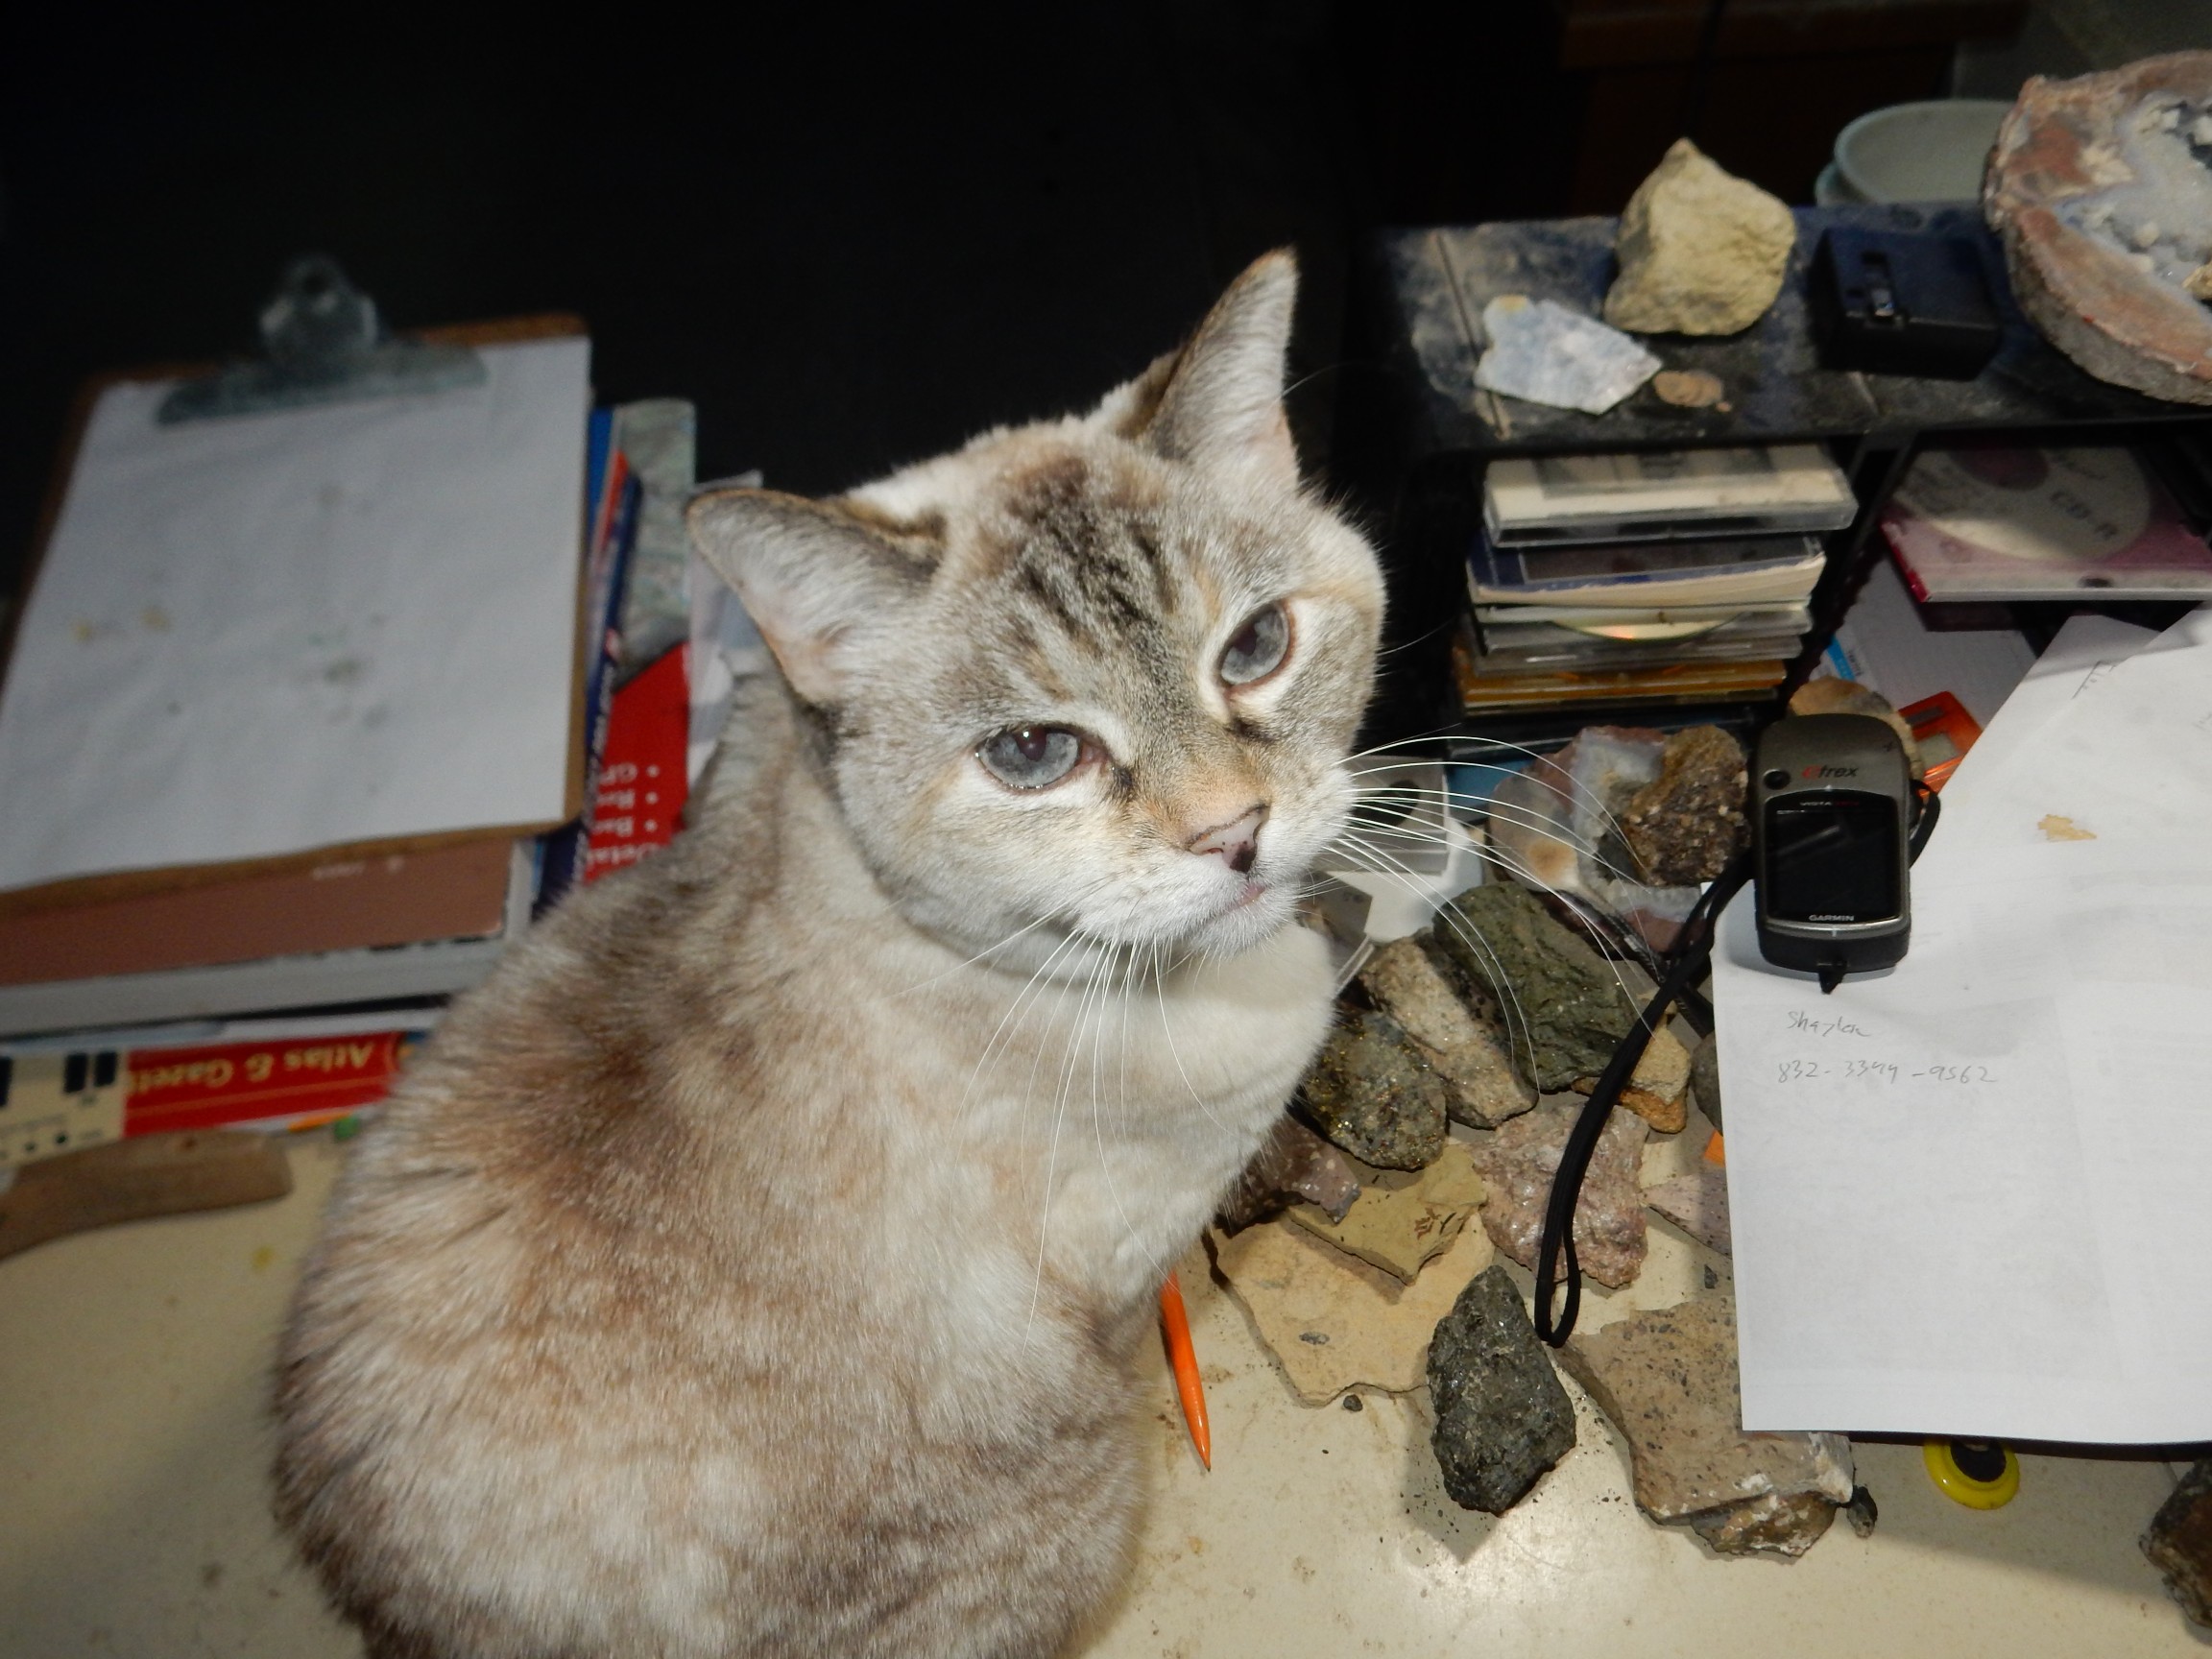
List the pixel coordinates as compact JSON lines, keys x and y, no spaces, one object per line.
{"x":757,"y":1263}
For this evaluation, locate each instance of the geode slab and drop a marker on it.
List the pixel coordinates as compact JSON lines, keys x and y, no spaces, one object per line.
{"x":2102,"y":191}
{"x":1502,"y":1418}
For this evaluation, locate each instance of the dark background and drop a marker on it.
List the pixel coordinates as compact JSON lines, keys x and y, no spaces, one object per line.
{"x":851,"y":240}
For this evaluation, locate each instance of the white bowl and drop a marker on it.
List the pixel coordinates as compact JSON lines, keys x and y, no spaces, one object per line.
{"x":1927,"y":152}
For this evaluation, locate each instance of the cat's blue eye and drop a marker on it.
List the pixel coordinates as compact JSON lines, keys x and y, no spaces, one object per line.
{"x":1031,"y":757}
{"x":1259,"y":647}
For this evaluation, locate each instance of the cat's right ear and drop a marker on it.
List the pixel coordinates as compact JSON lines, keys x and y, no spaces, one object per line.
{"x":813,"y":579}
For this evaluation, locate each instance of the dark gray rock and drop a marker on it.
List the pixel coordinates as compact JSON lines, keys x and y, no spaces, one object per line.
{"x":1502,"y":1417}
{"x":1373,"y":1091}
{"x":1705,"y":1079}
{"x":2180,"y":1542}
{"x":1561,"y":1004}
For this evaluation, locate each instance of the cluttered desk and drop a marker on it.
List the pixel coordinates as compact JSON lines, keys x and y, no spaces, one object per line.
{"x":2003,"y":1119}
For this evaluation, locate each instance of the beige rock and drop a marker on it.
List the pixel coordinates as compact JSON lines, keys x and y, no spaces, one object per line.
{"x":1658,"y":1090}
{"x":1401,"y":1217}
{"x":1770,"y":1524}
{"x":1698,"y":1203}
{"x":1333,"y":1323}
{"x":1667,"y":1380}
{"x":1701,"y":251}
{"x":1465,"y":1051}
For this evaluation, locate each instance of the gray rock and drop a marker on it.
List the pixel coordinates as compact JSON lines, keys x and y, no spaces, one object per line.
{"x":1701,"y":251}
{"x":1292,"y":1164}
{"x":1539,"y":351}
{"x":1517,"y":1163}
{"x":1407,"y":979}
{"x":1501,"y":1416}
{"x":1561,"y":1004}
{"x":1373,"y":1091}
{"x":2180,"y":1542}
{"x":1705,"y":1079}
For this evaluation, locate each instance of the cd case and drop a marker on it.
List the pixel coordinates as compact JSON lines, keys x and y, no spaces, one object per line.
{"x":1646,"y":575}
{"x":1991,"y":522}
{"x":1662,"y":495}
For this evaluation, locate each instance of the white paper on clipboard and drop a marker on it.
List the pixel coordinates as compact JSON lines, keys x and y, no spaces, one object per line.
{"x":263,"y":634}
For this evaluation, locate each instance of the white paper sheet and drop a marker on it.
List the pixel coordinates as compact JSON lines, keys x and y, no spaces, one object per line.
{"x":1974,"y":1195}
{"x":264,"y":635}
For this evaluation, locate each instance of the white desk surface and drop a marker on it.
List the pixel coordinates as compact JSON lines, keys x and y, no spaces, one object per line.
{"x":133,"y":1512}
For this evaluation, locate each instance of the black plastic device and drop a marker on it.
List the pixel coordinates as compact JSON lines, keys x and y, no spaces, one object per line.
{"x":1897,"y":303}
{"x":1831,"y":845}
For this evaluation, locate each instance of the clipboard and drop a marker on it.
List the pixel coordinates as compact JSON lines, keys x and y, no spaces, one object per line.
{"x":108,"y":885}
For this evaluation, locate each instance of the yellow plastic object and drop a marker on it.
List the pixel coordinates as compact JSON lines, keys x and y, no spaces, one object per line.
{"x":1970,"y":1488}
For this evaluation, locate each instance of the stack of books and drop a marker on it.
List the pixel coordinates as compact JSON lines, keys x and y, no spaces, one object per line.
{"x":1653,"y":578}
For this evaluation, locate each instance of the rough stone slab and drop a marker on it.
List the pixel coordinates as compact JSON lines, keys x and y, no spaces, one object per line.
{"x":1403,"y":1218}
{"x":1292,"y":1164}
{"x":1517,"y":1163}
{"x":1689,"y":823}
{"x":1408,"y":981}
{"x":1502,"y":1417}
{"x":1701,"y":251}
{"x":1667,"y":1380}
{"x":2180,"y":1542}
{"x":1698,"y":1203}
{"x":1769,"y":1524}
{"x":1373,"y":1093}
{"x":1658,"y":1088}
{"x":1335,"y":1323}
{"x":1562,"y":1004}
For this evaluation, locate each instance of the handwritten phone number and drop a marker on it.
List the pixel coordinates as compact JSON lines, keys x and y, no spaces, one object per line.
{"x":1880,"y":1071}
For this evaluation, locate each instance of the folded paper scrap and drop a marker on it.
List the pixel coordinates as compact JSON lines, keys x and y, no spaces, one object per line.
{"x":1545,"y":353}
{"x":1968,"y":1196}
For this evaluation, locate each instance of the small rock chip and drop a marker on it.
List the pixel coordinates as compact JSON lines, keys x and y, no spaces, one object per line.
{"x":1562,"y":1004}
{"x":1407,"y":979}
{"x":2199,"y":282}
{"x":1517,"y":1163}
{"x":1373,"y":1332}
{"x":1687,"y":388}
{"x":1667,"y":1380}
{"x":1767,"y":1525}
{"x":1403,"y":1218}
{"x":1701,"y":251}
{"x":2180,"y":1542}
{"x":1863,"y":1512}
{"x":1292,"y":1164}
{"x":1373,"y":1091}
{"x":1502,"y":1417}
{"x":1687,"y":823}
{"x":1698,"y":1203}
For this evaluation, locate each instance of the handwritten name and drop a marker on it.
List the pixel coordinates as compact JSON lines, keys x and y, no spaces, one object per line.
{"x":1813,"y":1027}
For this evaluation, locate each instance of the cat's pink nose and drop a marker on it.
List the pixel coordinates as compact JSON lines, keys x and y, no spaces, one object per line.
{"x":1237,"y":841}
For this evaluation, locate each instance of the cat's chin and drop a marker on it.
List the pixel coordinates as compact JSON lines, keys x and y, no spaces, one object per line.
{"x":1253,"y":917}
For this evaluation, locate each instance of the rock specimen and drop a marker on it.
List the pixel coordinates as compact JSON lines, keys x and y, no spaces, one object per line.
{"x":1698,"y":1203}
{"x":1687,"y":823}
{"x":1401,"y":1218}
{"x":1517,"y":1163}
{"x":1292,"y":1164}
{"x":1705,"y":1079}
{"x":2180,"y":1542}
{"x":1701,"y":251}
{"x":1373,"y":1093}
{"x":1562,"y":1004}
{"x":2099,"y":188}
{"x":1658,"y":1088}
{"x":1408,"y":982}
{"x":1540,"y":350}
{"x":1502,"y":1417}
{"x":1668,"y":1381}
{"x":1335,"y":1323}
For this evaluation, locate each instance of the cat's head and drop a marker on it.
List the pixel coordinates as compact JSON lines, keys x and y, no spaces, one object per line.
{"x":1090,"y":676}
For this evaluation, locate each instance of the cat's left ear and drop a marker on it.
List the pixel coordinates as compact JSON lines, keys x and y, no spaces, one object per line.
{"x":1221,"y":405}
{"x":814,"y":580}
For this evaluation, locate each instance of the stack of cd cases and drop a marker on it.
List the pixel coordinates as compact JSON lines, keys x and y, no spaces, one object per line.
{"x":1656,"y":577}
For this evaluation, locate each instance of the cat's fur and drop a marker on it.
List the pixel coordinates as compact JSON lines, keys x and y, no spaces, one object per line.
{"x":756,"y":1265}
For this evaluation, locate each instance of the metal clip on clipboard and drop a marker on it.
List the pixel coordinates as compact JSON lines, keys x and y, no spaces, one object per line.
{"x":323,"y":341}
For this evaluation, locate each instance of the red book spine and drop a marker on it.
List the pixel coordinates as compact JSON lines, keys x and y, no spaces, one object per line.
{"x":248,"y":1082}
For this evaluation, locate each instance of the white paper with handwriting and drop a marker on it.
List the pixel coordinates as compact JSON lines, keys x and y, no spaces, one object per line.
{"x":1974,"y":1195}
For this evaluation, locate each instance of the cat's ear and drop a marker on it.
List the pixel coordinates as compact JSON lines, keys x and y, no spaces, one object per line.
{"x":1221,"y":405}
{"x":813,"y":579}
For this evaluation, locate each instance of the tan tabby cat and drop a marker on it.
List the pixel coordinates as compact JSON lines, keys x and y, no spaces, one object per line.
{"x":756,"y":1265}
